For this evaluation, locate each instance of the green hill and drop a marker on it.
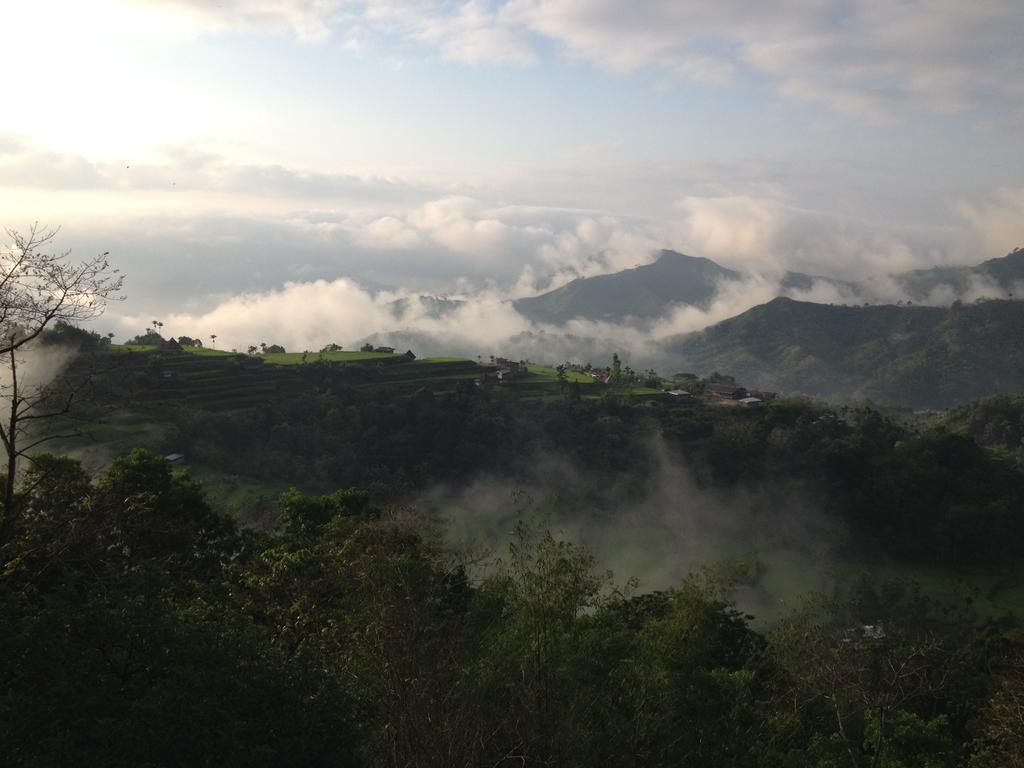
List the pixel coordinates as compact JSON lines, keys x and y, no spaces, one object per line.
{"x":921,"y":357}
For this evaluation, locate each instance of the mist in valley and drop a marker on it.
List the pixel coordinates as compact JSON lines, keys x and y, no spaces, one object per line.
{"x":655,"y":531}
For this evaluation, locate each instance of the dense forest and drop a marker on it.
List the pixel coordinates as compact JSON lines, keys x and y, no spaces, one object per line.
{"x":142,"y":627}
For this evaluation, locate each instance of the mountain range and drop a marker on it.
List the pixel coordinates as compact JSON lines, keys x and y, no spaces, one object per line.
{"x":674,"y":279}
{"x":938,"y":345}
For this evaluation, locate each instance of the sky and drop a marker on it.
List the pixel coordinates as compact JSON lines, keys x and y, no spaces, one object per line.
{"x":249,"y":161}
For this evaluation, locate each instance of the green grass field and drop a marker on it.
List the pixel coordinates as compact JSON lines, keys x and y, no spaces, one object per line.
{"x":551,"y":374}
{"x":295,"y":358}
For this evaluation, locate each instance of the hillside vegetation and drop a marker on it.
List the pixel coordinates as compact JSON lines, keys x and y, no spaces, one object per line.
{"x":995,"y":422}
{"x":919,"y":357}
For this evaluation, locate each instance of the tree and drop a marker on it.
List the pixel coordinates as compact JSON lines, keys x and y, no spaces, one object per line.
{"x":1002,"y":738}
{"x":562,"y":378}
{"x":213,"y":340}
{"x":869,"y":677}
{"x":40,"y":287}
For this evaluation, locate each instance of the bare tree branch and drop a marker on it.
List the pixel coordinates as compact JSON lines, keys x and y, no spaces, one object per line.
{"x":40,"y":287}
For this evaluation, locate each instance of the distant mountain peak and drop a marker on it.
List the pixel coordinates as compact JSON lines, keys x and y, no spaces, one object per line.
{"x":644,"y":291}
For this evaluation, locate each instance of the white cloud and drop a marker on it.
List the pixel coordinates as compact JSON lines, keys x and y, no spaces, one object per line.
{"x":998,"y":223}
{"x":769,"y":235}
{"x":309,"y":20}
{"x":309,"y":315}
{"x":874,"y":58}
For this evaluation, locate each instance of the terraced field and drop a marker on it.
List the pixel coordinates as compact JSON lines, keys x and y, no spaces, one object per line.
{"x":209,"y":382}
{"x":213,"y":380}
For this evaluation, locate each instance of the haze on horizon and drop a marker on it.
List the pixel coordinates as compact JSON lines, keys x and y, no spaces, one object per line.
{"x":250,"y":153}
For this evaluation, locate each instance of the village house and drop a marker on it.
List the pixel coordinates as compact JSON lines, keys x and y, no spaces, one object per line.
{"x":725,"y":391}
{"x":509,"y":369}
{"x":508,"y":374}
{"x":386,"y":350}
{"x":750,"y":402}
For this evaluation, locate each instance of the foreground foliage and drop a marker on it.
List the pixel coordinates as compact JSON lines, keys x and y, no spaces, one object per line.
{"x":141,"y":627}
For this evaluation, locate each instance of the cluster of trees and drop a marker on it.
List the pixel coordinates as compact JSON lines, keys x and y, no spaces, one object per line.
{"x":618,"y":373}
{"x":64,"y":334}
{"x":994,"y":422}
{"x":141,"y":627}
{"x":265,"y":348}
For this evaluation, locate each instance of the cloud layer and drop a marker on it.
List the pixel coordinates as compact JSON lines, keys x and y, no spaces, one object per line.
{"x":865,"y":57}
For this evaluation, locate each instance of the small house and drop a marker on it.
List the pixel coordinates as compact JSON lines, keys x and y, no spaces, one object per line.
{"x":385,"y":350}
{"x":170,"y":345}
{"x":750,"y":402}
{"x":725,"y":391}
{"x":175,"y":458}
{"x":509,"y":369}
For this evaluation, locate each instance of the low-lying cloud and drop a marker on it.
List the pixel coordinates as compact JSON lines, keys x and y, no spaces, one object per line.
{"x":309,"y":315}
{"x":656,"y":531}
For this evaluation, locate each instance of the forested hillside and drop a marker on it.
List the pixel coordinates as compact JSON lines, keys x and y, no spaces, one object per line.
{"x":994,"y":422}
{"x":919,"y":357}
